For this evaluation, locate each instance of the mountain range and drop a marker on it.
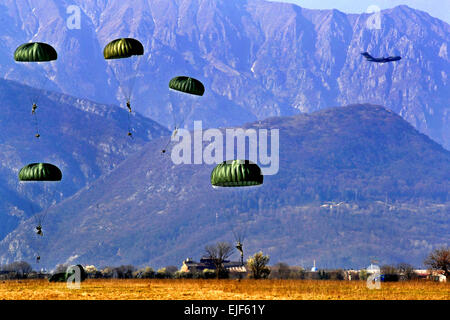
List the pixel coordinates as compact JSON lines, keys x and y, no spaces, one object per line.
{"x":256,"y":58}
{"x":389,"y":185}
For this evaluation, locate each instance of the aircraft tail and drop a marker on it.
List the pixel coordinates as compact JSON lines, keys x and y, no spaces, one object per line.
{"x":366,"y":55}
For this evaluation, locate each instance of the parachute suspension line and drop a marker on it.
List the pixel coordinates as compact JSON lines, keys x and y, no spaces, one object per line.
{"x":130,"y":92}
{"x":39,"y":234}
{"x":44,"y":215}
{"x":239,"y":238}
{"x":127,"y":97}
{"x":133,"y":78}
{"x":36,"y":124}
{"x":129,"y":118}
{"x":183,"y":118}
{"x":39,"y":247}
{"x":174,"y":132}
{"x":177,"y":126}
{"x":34,"y":106}
{"x":38,"y":96}
{"x":129,"y":126}
{"x":167,"y":144}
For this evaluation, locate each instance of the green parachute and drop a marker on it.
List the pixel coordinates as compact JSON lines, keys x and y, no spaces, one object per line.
{"x":40,"y":172}
{"x":125,"y":49}
{"x":236,"y":173}
{"x":35,"y":52}
{"x":186,"y":85}
{"x":65,"y":276}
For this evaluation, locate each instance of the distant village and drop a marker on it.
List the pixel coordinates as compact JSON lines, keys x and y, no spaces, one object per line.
{"x":206,"y":268}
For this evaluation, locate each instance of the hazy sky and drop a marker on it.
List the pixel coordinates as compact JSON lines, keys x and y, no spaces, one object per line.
{"x":436,"y":8}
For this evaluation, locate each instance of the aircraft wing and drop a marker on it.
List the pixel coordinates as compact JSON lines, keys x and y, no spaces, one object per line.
{"x":389,"y":59}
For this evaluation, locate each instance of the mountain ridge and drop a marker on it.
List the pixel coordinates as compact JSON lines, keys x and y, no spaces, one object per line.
{"x":256,"y":58}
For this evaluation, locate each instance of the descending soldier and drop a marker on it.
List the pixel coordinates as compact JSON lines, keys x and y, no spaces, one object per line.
{"x":35,"y":53}
{"x":39,"y":230}
{"x":129,"y":109}
{"x":33,"y":112}
{"x":125,"y":53}
{"x":174,"y":134}
{"x":241,"y":250}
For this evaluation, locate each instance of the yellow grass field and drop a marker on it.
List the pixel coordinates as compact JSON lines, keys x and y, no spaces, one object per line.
{"x":153,"y":289}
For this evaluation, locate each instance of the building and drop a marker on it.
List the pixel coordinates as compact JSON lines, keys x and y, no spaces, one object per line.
{"x":190,"y":265}
{"x":434,"y":275}
{"x":314,"y":268}
{"x":437,"y":275}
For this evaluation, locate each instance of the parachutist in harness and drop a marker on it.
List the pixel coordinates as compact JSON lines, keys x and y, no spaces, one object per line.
{"x":39,"y":230}
{"x":239,"y":247}
{"x":33,"y":112}
{"x":174,"y":134}
{"x":129,"y":109}
{"x":38,"y":258}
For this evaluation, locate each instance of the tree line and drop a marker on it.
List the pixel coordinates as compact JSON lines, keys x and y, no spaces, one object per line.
{"x":257,"y":268}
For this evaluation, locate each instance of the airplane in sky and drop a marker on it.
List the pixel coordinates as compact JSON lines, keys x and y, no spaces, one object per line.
{"x":379,"y":60}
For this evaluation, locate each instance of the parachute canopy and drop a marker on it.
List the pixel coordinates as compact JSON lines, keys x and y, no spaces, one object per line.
{"x":123,"y":48}
{"x":35,"y":52}
{"x":71,"y":271}
{"x":40,"y":172}
{"x":236,"y":173}
{"x":64,"y":276}
{"x":58,"y":277}
{"x":187,"y":85}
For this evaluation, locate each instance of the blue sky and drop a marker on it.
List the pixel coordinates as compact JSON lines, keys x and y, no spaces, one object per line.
{"x":436,"y":8}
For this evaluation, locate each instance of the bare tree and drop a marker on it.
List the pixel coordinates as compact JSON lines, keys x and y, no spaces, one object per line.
{"x":406,"y":271}
{"x":218,"y":254}
{"x":439,"y":259}
{"x":280,"y":270}
{"x":388,"y":269}
{"x":19,"y":269}
{"x":258,"y":265}
{"x":171,"y":270}
{"x":124,"y":272}
{"x":61,"y":268}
